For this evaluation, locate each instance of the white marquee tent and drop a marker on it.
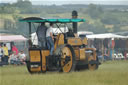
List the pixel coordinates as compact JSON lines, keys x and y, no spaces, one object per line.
{"x":9,"y":38}
{"x":106,"y":35}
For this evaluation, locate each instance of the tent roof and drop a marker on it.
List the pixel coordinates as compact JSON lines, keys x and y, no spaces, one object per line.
{"x":106,"y":35}
{"x":9,"y":38}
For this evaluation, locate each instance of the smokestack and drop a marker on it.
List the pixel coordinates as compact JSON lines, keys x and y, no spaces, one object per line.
{"x":74,"y":16}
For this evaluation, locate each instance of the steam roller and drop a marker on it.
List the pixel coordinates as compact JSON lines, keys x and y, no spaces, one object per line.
{"x":70,"y":51}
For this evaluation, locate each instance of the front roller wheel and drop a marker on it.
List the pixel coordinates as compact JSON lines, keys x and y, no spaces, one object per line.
{"x":67,"y":55}
{"x":93,"y":66}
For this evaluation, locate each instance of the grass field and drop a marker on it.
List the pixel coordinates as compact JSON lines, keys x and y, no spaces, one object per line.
{"x":109,"y":73}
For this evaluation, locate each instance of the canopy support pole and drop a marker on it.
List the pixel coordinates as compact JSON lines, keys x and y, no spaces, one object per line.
{"x":29,"y":30}
{"x":30,"y":42}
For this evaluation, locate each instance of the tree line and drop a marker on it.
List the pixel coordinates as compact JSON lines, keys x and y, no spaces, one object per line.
{"x":100,"y":18}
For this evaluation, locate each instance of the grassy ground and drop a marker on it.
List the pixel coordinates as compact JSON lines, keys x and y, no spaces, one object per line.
{"x":109,"y":73}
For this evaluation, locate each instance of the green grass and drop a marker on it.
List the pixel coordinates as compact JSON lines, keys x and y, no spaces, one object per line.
{"x":109,"y":73}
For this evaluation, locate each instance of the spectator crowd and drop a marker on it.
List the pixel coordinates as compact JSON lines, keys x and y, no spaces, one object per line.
{"x":14,"y":57}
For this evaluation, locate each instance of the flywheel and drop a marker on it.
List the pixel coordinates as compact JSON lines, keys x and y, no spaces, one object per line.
{"x":67,"y":58}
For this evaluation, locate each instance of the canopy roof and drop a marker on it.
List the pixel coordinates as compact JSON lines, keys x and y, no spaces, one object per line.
{"x":50,"y":20}
{"x":9,"y":38}
{"x":103,"y":36}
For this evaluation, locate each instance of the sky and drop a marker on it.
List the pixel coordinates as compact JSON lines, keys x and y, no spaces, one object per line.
{"x":61,"y":2}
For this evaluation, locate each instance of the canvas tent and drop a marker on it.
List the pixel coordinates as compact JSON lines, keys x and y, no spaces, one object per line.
{"x":84,"y":33}
{"x":11,"y":38}
{"x":106,"y":35}
{"x":18,"y":40}
{"x":108,"y":43}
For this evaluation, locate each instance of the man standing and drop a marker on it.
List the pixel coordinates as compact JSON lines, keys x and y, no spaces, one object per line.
{"x":41,"y":34}
{"x":49,"y":38}
{"x":5,"y":49}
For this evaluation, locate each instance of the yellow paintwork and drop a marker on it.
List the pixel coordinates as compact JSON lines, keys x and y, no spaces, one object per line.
{"x":74,"y":41}
{"x":34,"y":56}
{"x":94,"y":52}
{"x":44,"y":54}
{"x":84,"y":41}
{"x":66,"y":52}
{"x":77,"y":53}
{"x":82,"y":54}
{"x":92,"y":57}
{"x":59,"y":40}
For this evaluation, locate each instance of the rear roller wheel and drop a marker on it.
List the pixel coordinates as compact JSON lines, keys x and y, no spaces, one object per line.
{"x":67,"y":55}
{"x":28,"y":67}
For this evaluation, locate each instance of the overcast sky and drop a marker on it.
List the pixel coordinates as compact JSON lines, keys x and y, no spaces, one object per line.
{"x":60,"y":2}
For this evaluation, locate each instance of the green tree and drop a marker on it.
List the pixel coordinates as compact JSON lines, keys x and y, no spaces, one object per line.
{"x":24,"y":6}
{"x":8,"y":9}
{"x":117,"y":28}
{"x":110,"y":19}
{"x":95,"y":11}
{"x":96,"y":28}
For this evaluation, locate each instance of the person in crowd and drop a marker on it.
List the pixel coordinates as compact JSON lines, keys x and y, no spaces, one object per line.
{"x":22,"y":57}
{"x":5,"y":57}
{"x":14,"y":48}
{"x":50,"y":38}
{"x":105,"y":54}
{"x":1,"y":53}
{"x":41,"y":34}
{"x":99,"y":54}
{"x":14,"y":59}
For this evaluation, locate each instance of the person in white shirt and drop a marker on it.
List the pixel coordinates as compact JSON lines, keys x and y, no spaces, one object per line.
{"x":22,"y":57}
{"x":50,"y":38}
{"x":13,"y":58}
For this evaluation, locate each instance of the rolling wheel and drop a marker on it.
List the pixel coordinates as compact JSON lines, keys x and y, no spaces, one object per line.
{"x":67,"y":55}
{"x":28,"y":67}
{"x":92,"y":66}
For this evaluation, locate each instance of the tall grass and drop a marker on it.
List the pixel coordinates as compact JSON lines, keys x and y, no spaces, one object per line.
{"x":109,"y":73}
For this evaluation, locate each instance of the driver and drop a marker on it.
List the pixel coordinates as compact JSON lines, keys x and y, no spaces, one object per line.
{"x":50,"y":38}
{"x":41,"y":33}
